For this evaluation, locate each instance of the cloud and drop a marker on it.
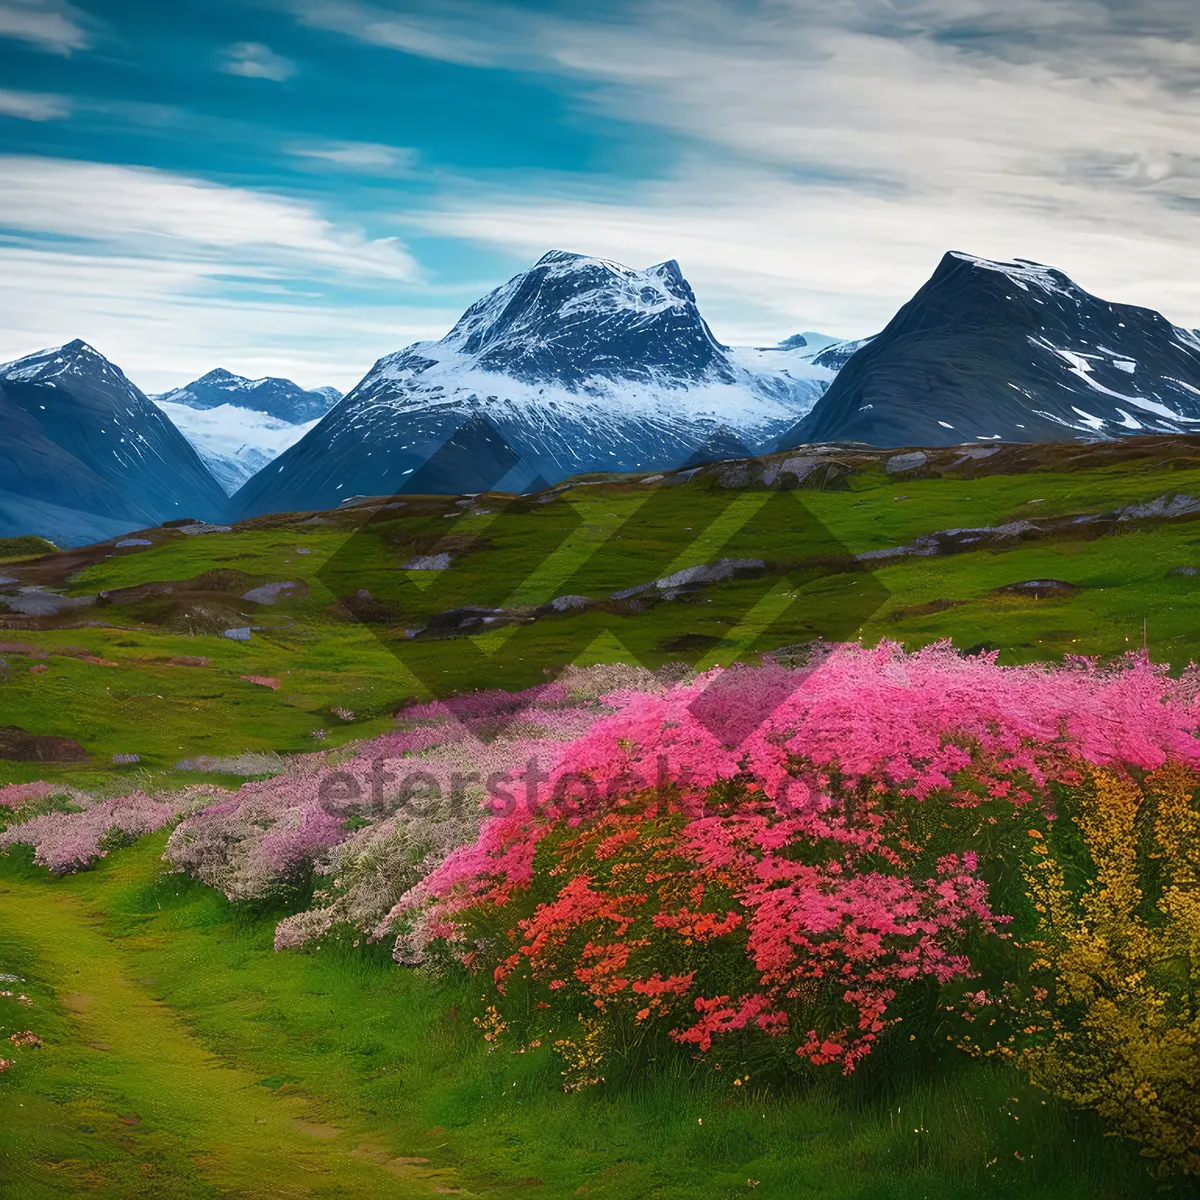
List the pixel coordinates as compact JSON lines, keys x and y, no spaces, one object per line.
{"x":256,"y":61}
{"x":172,"y":275}
{"x":33,"y":106}
{"x":817,"y":156}
{"x":158,"y":213}
{"x":166,"y":322}
{"x":454,"y":32}
{"x":47,"y":24}
{"x":359,"y":156}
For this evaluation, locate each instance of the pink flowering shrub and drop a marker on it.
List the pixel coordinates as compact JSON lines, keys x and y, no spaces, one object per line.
{"x":66,"y":842}
{"x":782,"y":851}
{"x":17,"y":795}
{"x":373,"y":819}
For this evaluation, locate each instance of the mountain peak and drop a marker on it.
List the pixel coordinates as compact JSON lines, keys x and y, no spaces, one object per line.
{"x":572,"y":317}
{"x":994,"y":350}
{"x":219,"y":375}
{"x":558,"y":256}
{"x":1024,"y":272}
{"x":577,"y":364}
{"x":75,"y":358}
{"x":280,"y":398}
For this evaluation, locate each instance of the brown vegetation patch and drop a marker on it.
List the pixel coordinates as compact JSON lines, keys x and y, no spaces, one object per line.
{"x":18,"y":745}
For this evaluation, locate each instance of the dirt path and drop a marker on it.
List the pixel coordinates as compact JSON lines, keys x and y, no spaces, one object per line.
{"x":243,"y":1140}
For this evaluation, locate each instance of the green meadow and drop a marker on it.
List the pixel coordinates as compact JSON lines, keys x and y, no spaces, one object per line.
{"x":184,"y":1058}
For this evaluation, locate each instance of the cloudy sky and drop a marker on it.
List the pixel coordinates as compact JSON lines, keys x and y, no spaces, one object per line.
{"x":299,"y":186}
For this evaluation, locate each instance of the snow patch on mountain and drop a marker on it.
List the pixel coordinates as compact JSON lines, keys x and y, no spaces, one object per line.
{"x":234,"y":443}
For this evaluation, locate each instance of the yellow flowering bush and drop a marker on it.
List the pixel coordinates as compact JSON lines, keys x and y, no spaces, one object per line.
{"x":1110,"y":1019}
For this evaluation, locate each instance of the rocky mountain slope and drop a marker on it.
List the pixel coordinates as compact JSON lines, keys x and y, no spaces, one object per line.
{"x":84,"y":452}
{"x":1010,"y":351}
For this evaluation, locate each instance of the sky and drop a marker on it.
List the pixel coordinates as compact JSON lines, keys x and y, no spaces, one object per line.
{"x":298,"y":187}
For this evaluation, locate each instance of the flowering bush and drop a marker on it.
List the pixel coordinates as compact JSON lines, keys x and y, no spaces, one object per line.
{"x":372,"y":819}
{"x":775,"y":825}
{"x":1108,"y":1017}
{"x":17,"y":795}
{"x":72,"y":840}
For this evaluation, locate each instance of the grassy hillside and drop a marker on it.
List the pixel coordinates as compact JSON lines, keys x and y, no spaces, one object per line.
{"x":144,"y":669}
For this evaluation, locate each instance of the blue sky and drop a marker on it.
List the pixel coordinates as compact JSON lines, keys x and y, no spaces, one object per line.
{"x":300,"y":186}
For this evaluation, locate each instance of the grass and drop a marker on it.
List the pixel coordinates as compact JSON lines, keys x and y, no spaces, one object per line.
{"x":593,"y":541}
{"x":28,"y":546}
{"x":183,"y":1058}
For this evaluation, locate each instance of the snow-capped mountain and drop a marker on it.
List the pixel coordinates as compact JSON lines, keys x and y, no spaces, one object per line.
{"x":578,"y":364}
{"x":1013,"y":351}
{"x":86,"y":455}
{"x":234,"y":443}
{"x":809,"y":341}
{"x":278,"y":398}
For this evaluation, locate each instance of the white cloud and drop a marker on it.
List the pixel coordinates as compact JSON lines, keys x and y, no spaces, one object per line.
{"x":454,"y":34}
{"x":171,"y":275}
{"x":256,"y":61}
{"x":835,"y":148}
{"x":157,"y":213}
{"x":33,"y":106}
{"x":47,"y":24}
{"x":166,"y":321}
{"x":359,"y":156}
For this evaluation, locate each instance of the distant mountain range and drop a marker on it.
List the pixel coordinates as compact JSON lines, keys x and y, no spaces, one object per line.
{"x":1010,"y":351}
{"x":238,"y":425}
{"x":278,"y":398}
{"x":576,"y":365}
{"x":583,"y":365}
{"x":86,"y":455}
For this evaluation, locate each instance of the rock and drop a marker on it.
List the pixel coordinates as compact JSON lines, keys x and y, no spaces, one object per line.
{"x":125,"y":760}
{"x":33,"y":602}
{"x":271,"y":593}
{"x":179,"y":522}
{"x":671,"y":587}
{"x":201,"y":527}
{"x":974,"y":454}
{"x":650,"y":479}
{"x":739,"y":475}
{"x":625,"y":593}
{"x":571,"y":603}
{"x":717,"y":572}
{"x":1162,"y":506}
{"x":463,"y":618}
{"x":18,"y":745}
{"x":1040,"y":589}
{"x":906,"y":462}
{"x":1182,"y":571}
{"x":238,"y":635}
{"x":428,"y":562}
{"x":800,"y":467}
{"x":7,"y":579}
{"x":316,"y":521}
{"x":125,"y":542}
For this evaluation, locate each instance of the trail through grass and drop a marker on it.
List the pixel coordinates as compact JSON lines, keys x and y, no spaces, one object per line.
{"x":156,"y":1106}
{"x":185,"y":1060}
